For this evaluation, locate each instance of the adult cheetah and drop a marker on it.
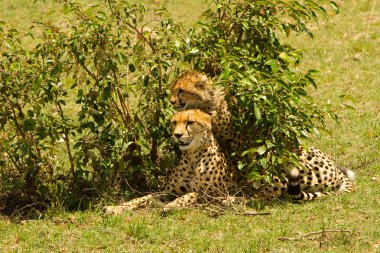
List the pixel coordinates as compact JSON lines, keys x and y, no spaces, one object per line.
{"x":202,"y":172}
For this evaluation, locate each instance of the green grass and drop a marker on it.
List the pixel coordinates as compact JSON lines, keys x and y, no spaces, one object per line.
{"x":346,"y":51}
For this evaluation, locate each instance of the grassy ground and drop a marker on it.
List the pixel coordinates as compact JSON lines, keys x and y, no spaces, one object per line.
{"x":346,"y":50}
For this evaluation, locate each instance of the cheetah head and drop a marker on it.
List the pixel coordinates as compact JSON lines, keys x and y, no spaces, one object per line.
{"x":191,"y":129}
{"x":190,"y":91}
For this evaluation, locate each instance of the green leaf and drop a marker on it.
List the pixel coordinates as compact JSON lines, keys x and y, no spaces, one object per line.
{"x":245,"y":25}
{"x":240,"y":165}
{"x":99,"y":119}
{"x":273,"y":65}
{"x":90,"y":125}
{"x":131,"y":67}
{"x":261,"y":150}
{"x":264,"y":163}
{"x":257,"y":111}
{"x":146,"y":80}
{"x":334,"y":6}
{"x":29,"y":124}
{"x":316,"y":132}
{"x":284,"y":56}
{"x":194,"y":51}
{"x":306,"y":30}
{"x":37,"y":84}
{"x":347,"y":106}
{"x":25,"y":148}
{"x":30,"y":113}
{"x":122,"y":58}
{"x":106,"y":93}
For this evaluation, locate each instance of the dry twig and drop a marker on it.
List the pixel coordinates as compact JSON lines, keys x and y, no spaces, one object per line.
{"x":252,"y":213}
{"x":304,"y":236}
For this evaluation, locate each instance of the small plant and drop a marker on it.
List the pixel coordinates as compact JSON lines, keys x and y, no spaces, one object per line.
{"x":137,"y":229}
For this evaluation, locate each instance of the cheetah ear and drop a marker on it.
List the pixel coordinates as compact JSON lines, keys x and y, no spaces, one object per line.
{"x":213,"y":114}
{"x":202,"y":82}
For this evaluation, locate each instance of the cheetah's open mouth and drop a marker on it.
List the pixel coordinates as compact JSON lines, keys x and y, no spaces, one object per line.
{"x":183,"y":144}
{"x":181,"y":107}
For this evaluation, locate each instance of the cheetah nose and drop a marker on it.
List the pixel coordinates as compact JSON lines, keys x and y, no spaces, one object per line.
{"x":178,"y":135}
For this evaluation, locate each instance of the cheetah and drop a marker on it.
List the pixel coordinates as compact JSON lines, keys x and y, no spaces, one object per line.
{"x":203,"y":170}
{"x":316,"y":176}
{"x":193,"y":90}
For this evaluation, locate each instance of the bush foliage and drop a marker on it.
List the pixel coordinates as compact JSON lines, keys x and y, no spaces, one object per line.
{"x":85,"y":112}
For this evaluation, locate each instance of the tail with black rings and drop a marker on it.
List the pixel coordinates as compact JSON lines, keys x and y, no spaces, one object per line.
{"x":294,"y":185}
{"x":294,"y":188}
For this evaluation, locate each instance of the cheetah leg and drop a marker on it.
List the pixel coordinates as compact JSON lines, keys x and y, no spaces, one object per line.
{"x":346,"y":184}
{"x":273,"y":190}
{"x":231,"y":201}
{"x":186,"y":200}
{"x":136,"y":203}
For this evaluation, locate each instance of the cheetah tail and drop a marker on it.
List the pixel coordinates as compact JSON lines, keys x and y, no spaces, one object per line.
{"x":349,"y":173}
{"x":294,"y":183}
{"x":294,"y":187}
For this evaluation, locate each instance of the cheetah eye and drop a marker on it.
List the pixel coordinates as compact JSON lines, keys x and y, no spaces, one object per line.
{"x":174,"y":122}
{"x":180,"y":90}
{"x":190,"y":122}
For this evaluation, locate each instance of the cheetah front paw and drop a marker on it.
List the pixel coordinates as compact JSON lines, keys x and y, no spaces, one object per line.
{"x":113,"y":210}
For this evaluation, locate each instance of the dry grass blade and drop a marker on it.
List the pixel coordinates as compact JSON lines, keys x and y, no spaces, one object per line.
{"x":370,"y":16}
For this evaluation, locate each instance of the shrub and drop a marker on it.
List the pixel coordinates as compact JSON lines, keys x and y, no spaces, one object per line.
{"x":85,"y":111}
{"x":239,"y":44}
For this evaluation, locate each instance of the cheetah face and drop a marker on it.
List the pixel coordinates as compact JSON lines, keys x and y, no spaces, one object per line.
{"x":190,"y":129}
{"x":187,"y":91}
{"x":183,"y":100}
